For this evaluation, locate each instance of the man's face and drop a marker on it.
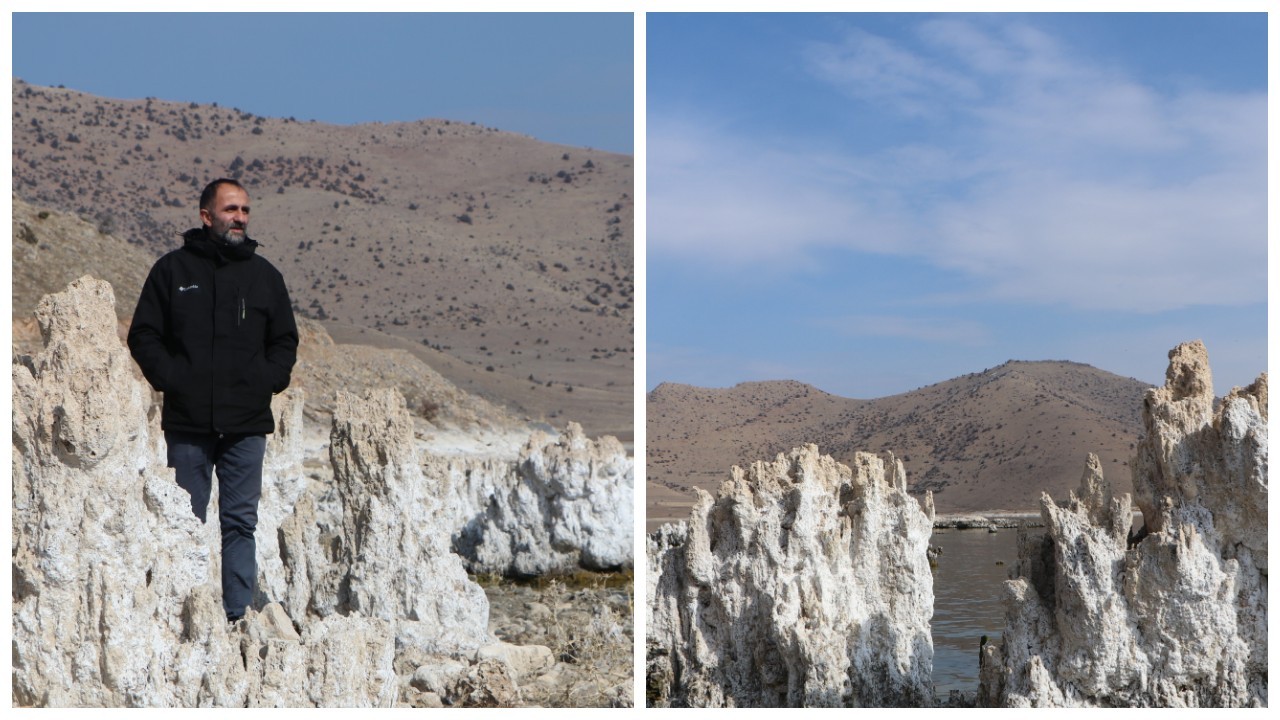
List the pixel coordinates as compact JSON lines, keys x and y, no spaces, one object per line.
{"x":228,"y":218}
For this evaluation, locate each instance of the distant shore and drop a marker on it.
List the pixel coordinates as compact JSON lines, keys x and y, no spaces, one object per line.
{"x":986,"y":520}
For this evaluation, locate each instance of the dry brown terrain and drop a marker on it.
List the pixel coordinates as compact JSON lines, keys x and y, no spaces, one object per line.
{"x":53,"y":248}
{"x":986,"y":441}
{"x":509,"y":257}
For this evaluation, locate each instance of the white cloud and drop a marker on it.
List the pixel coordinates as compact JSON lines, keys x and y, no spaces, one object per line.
{"x":726,"y":198}
{"x":1052,"y":180}
{"x":874,"y":69}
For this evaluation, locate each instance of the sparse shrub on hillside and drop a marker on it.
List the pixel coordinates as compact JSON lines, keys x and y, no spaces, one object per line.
{"x":106,"y":224}
{"x":429,"y":409}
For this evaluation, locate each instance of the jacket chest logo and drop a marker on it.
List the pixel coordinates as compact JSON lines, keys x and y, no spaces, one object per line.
{"x":182,"y":288}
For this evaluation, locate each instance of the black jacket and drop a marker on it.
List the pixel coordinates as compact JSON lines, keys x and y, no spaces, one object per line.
{"x":214,"y":331}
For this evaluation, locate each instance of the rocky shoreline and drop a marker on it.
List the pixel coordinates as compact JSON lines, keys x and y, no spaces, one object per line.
{"x":985,"y":521}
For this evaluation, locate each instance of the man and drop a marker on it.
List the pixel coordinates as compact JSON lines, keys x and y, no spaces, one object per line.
{"x":214,"y":332}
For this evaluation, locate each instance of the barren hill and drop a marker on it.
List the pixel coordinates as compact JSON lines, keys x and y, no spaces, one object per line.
{"x":509,"y":256}
{"x":52,"y":249}
{"x":986,"y":441}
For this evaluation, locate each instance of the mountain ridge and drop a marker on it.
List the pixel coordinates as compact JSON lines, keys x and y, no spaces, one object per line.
{"x":989,"y":440}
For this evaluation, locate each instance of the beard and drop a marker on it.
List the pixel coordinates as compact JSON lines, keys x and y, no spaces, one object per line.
{"x":232,"y":236}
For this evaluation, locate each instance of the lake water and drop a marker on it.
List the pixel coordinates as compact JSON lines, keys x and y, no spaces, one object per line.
{"x":968,"y":590}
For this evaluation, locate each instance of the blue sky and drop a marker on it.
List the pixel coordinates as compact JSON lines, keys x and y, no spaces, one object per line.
{"x":563,"y":78}
{"x":873,"y":203}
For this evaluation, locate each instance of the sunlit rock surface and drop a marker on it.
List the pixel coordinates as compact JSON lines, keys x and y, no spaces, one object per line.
{"x":116,"y":599}
{"x":1175,"y":616}
{"x":564,"y":504}
{"x":804,"y":583}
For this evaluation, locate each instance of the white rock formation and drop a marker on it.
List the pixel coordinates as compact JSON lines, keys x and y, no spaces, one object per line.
{"x":116,"y":598}
{"x":804,"y":583}
{"x":395,"y":560}
{"x":79,"y":558}
{"x":1177,"y":619}
{"x":284,"y":482}
{"x":564,"y":504}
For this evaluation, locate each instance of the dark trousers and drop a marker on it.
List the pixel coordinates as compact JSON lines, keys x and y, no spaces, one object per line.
{"x":238,"y":460}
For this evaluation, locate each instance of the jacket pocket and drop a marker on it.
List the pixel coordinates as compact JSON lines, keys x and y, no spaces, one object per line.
{"x":171,"y":374}
{"x":262,"y":378}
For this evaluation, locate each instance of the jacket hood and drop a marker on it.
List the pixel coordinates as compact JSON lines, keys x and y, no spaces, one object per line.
{"x":201,"y":242}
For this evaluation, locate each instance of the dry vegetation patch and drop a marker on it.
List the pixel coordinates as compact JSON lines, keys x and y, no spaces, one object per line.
{"x":586,"y":621}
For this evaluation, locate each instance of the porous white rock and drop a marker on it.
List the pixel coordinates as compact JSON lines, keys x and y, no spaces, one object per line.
{"x":93,"y":590}
{"x":803,"y":583}
{"x":395,"y":560}
{"x":524,"y":660}
{"x":564,"y":504}
{"x":1176,"y":618}
{"x":284,"y":482}
{"x":116,"y":598}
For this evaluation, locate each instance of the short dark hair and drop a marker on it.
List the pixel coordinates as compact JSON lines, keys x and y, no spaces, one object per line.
{"x":211,"y":191}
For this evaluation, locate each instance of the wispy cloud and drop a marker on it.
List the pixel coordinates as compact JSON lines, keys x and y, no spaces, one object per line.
{"x":1036,"y":172}
{"x":739,"y":200}
{"x":874,"y":69}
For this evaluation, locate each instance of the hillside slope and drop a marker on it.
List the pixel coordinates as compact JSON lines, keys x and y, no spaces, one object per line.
{"x":511,"y":255}
{"x":986,"y":441}
{"x":53,"y":248}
